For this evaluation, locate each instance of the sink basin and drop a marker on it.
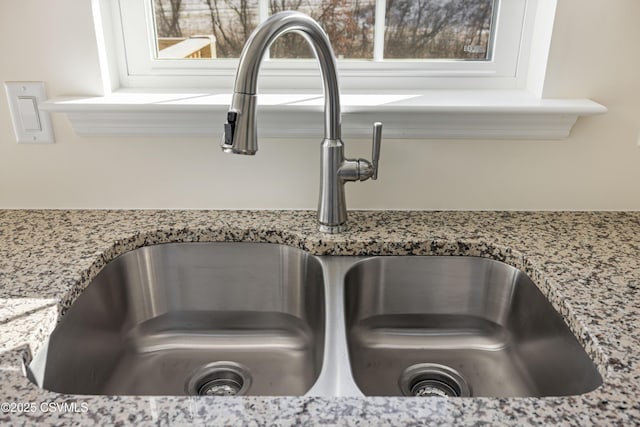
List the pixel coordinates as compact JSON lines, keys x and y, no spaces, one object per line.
{"x":192,"y":318}
{"x":267,"y":319}
{"x":457,"y":326}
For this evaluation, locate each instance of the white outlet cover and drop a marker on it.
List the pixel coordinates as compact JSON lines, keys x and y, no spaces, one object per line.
{"x":30,"y":124}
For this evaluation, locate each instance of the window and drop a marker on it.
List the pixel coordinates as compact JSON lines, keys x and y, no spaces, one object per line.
{"x":396,"y":44}
{"x":149,"y":89}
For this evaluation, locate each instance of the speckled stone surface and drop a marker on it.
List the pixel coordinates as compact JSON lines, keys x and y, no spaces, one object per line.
{"x":587,"y":264}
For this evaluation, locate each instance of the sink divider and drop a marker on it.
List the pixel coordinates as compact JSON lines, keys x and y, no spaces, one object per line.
{"x":335,"y":378}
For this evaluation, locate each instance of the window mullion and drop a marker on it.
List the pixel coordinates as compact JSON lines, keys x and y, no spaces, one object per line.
{"x":263,"y":10}
{"x":263,"y":14}
{"x":378,"y":30}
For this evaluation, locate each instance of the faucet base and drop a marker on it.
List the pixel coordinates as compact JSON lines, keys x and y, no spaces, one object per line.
{"x":333,"y":229}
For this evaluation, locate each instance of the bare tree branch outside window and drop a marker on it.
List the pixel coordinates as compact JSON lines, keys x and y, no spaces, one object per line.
{"x":167,"y":18}
{"x":232,"y":22}
{"x":348,"y":23}
{"x":441,"y":29}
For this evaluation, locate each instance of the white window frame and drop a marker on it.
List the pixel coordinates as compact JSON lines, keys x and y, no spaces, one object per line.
{"x":506,"y":70}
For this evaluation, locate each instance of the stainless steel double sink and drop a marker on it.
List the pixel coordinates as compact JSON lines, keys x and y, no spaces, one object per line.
{"x":266,"y":319}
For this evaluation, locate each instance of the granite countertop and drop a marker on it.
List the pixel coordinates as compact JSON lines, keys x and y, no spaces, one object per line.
{"x":587,"y":264}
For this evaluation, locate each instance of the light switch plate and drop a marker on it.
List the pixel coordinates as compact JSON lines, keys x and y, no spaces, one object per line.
{"x":30,"y":124}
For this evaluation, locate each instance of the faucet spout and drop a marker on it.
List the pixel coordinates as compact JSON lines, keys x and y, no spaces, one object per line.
{"x":240,"y":129}
{"x":246,"y":83}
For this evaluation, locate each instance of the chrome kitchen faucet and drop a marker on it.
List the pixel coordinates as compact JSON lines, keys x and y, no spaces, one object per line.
{"x":240,"y":130}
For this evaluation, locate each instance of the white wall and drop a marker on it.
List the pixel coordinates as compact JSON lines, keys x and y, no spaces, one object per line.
{"x":594,"y":54}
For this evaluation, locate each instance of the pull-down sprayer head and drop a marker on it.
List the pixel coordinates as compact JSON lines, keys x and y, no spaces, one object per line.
{"x":240,"y":130}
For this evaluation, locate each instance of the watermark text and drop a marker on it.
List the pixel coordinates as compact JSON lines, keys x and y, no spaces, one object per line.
{"x":45,"y":407}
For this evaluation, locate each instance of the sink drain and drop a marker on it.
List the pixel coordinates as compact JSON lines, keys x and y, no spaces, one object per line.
{"x":219,"y":379}
{"x":431,"y":379}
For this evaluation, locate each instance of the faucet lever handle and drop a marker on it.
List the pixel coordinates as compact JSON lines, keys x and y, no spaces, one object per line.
{"x":377,"y":141}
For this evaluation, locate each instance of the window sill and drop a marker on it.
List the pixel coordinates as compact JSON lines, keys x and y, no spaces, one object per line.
{"x":500,"y":114}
